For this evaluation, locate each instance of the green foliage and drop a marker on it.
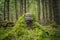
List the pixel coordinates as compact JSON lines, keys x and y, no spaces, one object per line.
{"x":4,"y":33}
{"x":21,"y":32}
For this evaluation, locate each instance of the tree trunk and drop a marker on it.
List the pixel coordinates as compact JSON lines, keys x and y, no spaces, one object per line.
{"x":28,"y":6}
{"x":44,"y":11}
{"x":6,"y":10}
{"x":47,"y":12}
{"x":55,"y":11}
{"x":21,"y":7}
{"x":24,"y":5}
{"x":51,"y":11}
{"x":39,"y":11}
{"x":16,"y":10}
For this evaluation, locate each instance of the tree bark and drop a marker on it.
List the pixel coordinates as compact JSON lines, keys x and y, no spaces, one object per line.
{"x":39,"y":11}
{"x":28,"y":6}
{"x":16,"y":10}
{"x":51,"y":11}
{"x":55,"y":11}
{"x":6,"y":10}
{"x":47,"y":12}
{"x":24,"y":6}
{"x":21,"y":7}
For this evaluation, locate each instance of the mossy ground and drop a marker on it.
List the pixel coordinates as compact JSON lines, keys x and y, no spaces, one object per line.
{"x":20,"y":32}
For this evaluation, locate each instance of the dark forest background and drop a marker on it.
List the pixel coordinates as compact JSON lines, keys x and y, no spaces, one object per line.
{"x":47,"y":11}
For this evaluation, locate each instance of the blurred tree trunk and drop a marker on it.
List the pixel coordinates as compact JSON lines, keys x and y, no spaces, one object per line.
{"x":6,"y":10}
{"x":16,"y":10}
{"x":51,"y":11}
{"x":28,"y":6}
{"x":55,"y":11}
{"x":24,"y":5}
{"x":43,"y":12}
{"x":35,"y":6}
{"x":21,"y":7}
{"x":47,"y":12}
{"x":1,"y":17}
{"x":58,"y":5}
{"x":39,"y":11}
{"x":12,"y":18}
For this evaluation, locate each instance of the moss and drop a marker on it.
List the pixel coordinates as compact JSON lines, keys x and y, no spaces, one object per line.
{"x":20,"y":32}
{"x":6,"y":24}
